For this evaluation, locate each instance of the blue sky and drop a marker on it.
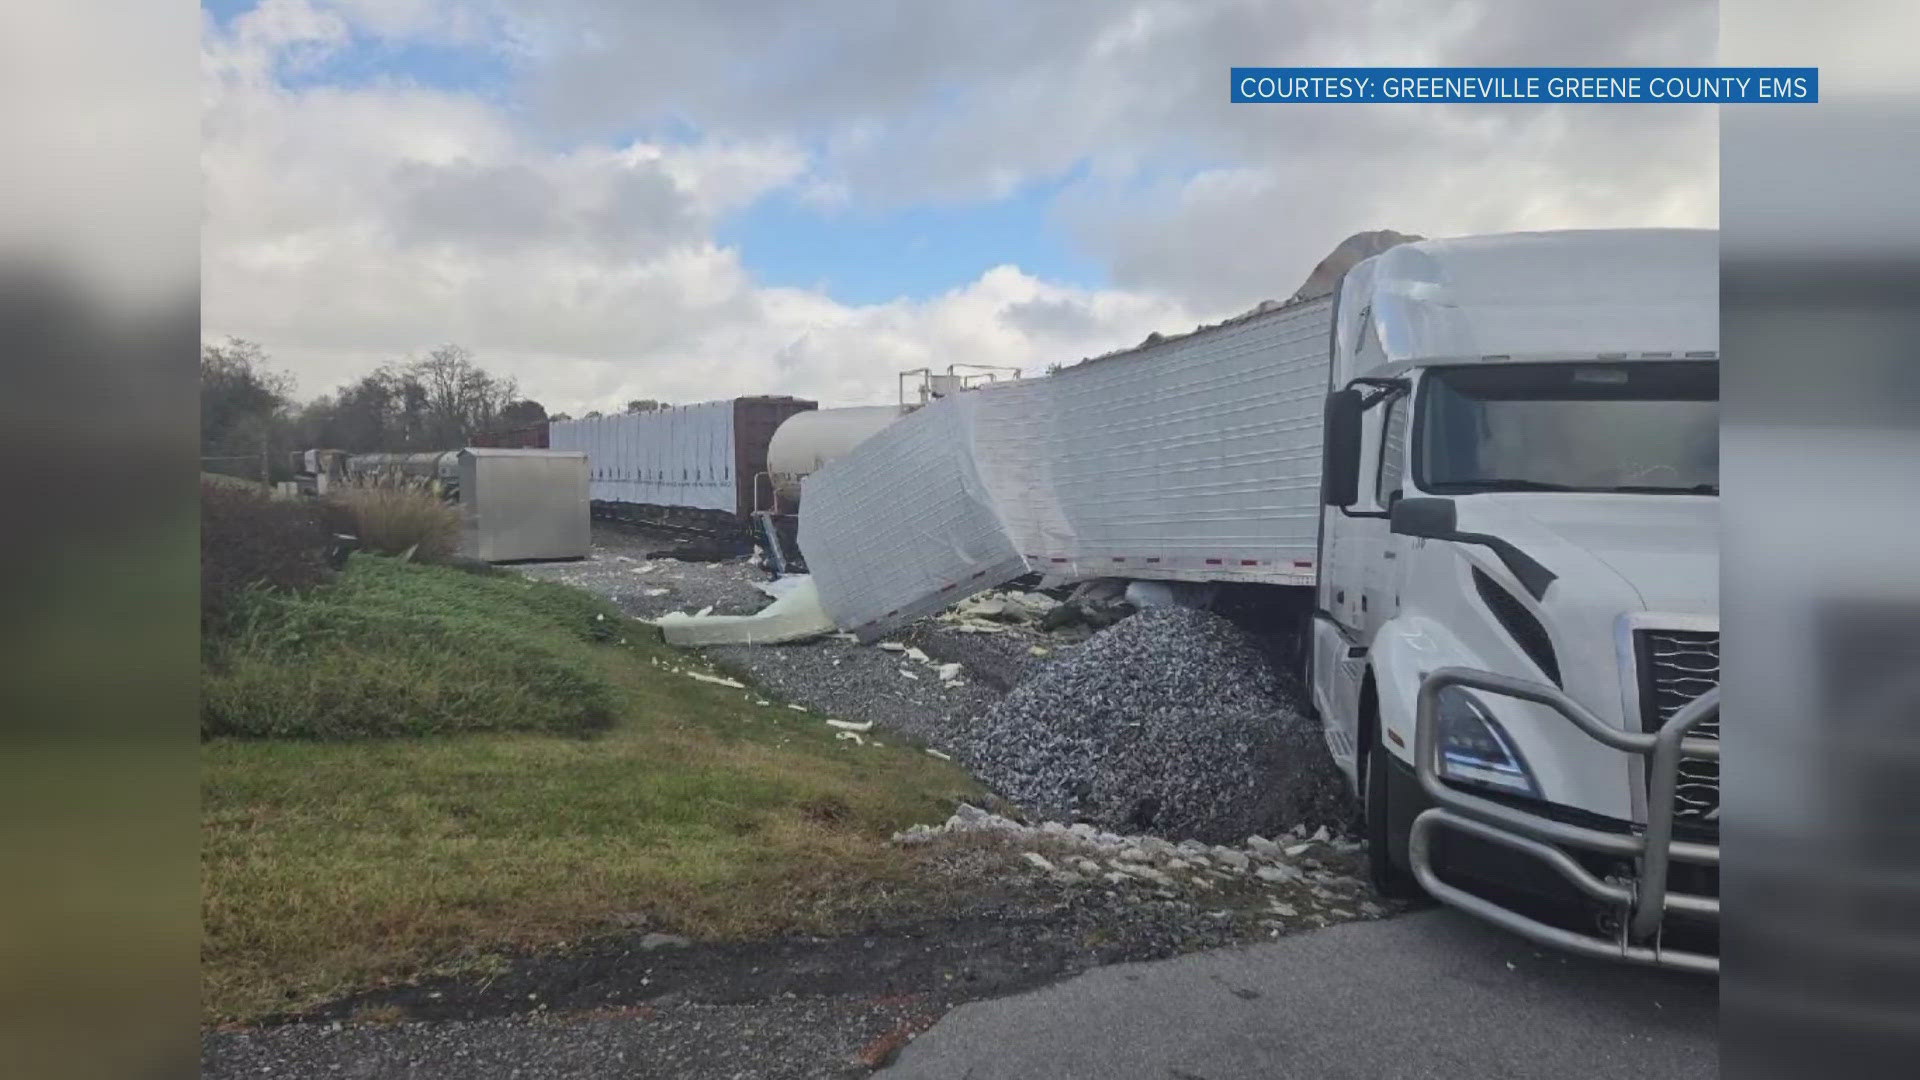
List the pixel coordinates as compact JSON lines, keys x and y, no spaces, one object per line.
{"x":858,"y":257}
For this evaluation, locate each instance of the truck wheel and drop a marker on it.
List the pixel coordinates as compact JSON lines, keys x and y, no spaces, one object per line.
{"x":1390,"y":879}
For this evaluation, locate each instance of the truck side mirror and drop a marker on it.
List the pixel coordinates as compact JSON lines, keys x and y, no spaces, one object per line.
{"x":1435,"y":519}
{"x":1438,"y":519}
{"x":1340,"y":461}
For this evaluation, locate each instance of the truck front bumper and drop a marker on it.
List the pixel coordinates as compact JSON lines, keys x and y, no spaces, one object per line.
{"x":1641,"y":900}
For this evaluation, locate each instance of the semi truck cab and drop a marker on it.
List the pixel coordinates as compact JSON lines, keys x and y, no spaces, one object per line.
{"x":1514,"y":647}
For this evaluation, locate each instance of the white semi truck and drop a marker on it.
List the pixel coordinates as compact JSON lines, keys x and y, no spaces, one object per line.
{"x":1515,"y":643}
{"x":1484,"y":473}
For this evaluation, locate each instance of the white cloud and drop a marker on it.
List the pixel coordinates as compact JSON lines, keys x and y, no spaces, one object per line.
{"x":349,"y":226}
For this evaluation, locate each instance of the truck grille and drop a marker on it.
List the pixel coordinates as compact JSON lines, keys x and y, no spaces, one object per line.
{"x":1677,"y":666}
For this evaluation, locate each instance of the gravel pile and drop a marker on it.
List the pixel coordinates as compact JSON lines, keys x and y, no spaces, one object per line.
{"x":1171,"y":722}
{"x":900,"y":693}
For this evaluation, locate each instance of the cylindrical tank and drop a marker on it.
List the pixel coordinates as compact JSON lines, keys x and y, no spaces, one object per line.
{"x":441,"y":467}
{"x":806,"y":441}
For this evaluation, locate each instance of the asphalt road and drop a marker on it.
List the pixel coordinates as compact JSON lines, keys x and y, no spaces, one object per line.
{"x":1433,"y":994}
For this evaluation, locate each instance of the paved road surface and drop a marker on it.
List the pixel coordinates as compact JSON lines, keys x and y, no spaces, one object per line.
{"x":1433,"y":994}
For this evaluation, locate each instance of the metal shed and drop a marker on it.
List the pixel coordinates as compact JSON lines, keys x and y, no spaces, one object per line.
{"x":523,"y":504}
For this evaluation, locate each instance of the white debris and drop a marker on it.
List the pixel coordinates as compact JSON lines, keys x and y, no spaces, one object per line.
{"x":849,"y":725}
{"x":796,"y":708}
{"x":714,"y":679}
{"x":796,"y":616}
{"x":1298,"y":850}
{"x":784,"y":586}
{"x":853,"y":735}
{"x":1233,"y":860}
{"x":655,"y":592}
{"x":1148,"y":594}
{"x":948,"y":672}
{"x":938,"y":754}
{"x":891,"y":646}
{"x":916,"y":654}
{"x":1080,"y":853}
{"x":905,"y":674}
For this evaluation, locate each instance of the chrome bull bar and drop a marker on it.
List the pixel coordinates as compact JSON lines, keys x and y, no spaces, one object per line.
{"x":1642,"y":903}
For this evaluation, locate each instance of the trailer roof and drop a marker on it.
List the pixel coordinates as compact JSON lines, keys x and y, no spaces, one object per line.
{"x":1540,"y":294}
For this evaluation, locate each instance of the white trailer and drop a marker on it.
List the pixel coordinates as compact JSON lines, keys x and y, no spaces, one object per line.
{"x":1188,"y":458}
{"x":1507,"y":450}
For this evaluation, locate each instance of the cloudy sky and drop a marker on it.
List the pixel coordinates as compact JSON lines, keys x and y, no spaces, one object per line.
{"x":686,"y":200}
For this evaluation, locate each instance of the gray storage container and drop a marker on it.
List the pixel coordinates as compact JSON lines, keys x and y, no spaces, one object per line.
{"x":523,"y":504}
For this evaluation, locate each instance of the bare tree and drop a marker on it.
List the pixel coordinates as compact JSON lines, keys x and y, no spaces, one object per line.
{"x":461,"y":399}
{"x":436,"y":403}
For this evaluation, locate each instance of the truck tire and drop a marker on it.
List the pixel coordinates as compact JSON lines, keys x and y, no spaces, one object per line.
{"x":1390,"y":879}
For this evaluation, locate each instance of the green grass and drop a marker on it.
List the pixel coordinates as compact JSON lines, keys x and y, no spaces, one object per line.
{"x":395,"y":648}
{"x":330,"y":867}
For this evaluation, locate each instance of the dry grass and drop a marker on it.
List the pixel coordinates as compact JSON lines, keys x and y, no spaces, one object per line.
{"x":335,"y":867}
{"x":397,"y":515}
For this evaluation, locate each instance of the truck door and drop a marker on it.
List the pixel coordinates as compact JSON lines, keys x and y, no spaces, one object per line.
{"x":1385,"y":569}
{"x":1353,"y":540}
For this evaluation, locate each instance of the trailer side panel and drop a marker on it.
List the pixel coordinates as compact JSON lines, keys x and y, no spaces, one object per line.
{"x":1194,"y":458}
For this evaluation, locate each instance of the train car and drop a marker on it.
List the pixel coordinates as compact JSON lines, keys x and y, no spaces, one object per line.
{"x":438,"y":468}
{"x":684,"y":468}
{"x":807,"y":441}
{"x":529,"y":437}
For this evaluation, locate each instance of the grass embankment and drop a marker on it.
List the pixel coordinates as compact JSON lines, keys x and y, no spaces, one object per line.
{"x":333,"y":866}
{"x":393,"y":648}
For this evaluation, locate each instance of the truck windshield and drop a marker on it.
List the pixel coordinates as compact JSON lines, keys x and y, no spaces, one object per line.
{"x":1647,"y":426}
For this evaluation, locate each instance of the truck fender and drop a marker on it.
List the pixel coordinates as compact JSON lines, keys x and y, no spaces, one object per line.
{"x":1404,"y":650}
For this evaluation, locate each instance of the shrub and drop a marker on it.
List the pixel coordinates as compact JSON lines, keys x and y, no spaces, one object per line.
{"x":393,"y":649}
{"x":393,"y":516}
{"x":249,"y":540}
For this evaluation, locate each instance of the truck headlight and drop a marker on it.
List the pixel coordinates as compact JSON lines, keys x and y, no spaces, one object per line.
{"x":1475,"y":750}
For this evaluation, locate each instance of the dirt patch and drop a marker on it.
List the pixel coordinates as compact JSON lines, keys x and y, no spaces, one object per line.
{"x":987,"y":923}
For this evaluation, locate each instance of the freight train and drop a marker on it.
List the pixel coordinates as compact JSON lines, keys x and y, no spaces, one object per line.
{"x":727,"y":471}
{"x":730,"y":470}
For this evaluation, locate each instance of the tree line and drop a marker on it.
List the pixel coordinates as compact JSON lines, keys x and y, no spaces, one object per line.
{"x":441,"y":401}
